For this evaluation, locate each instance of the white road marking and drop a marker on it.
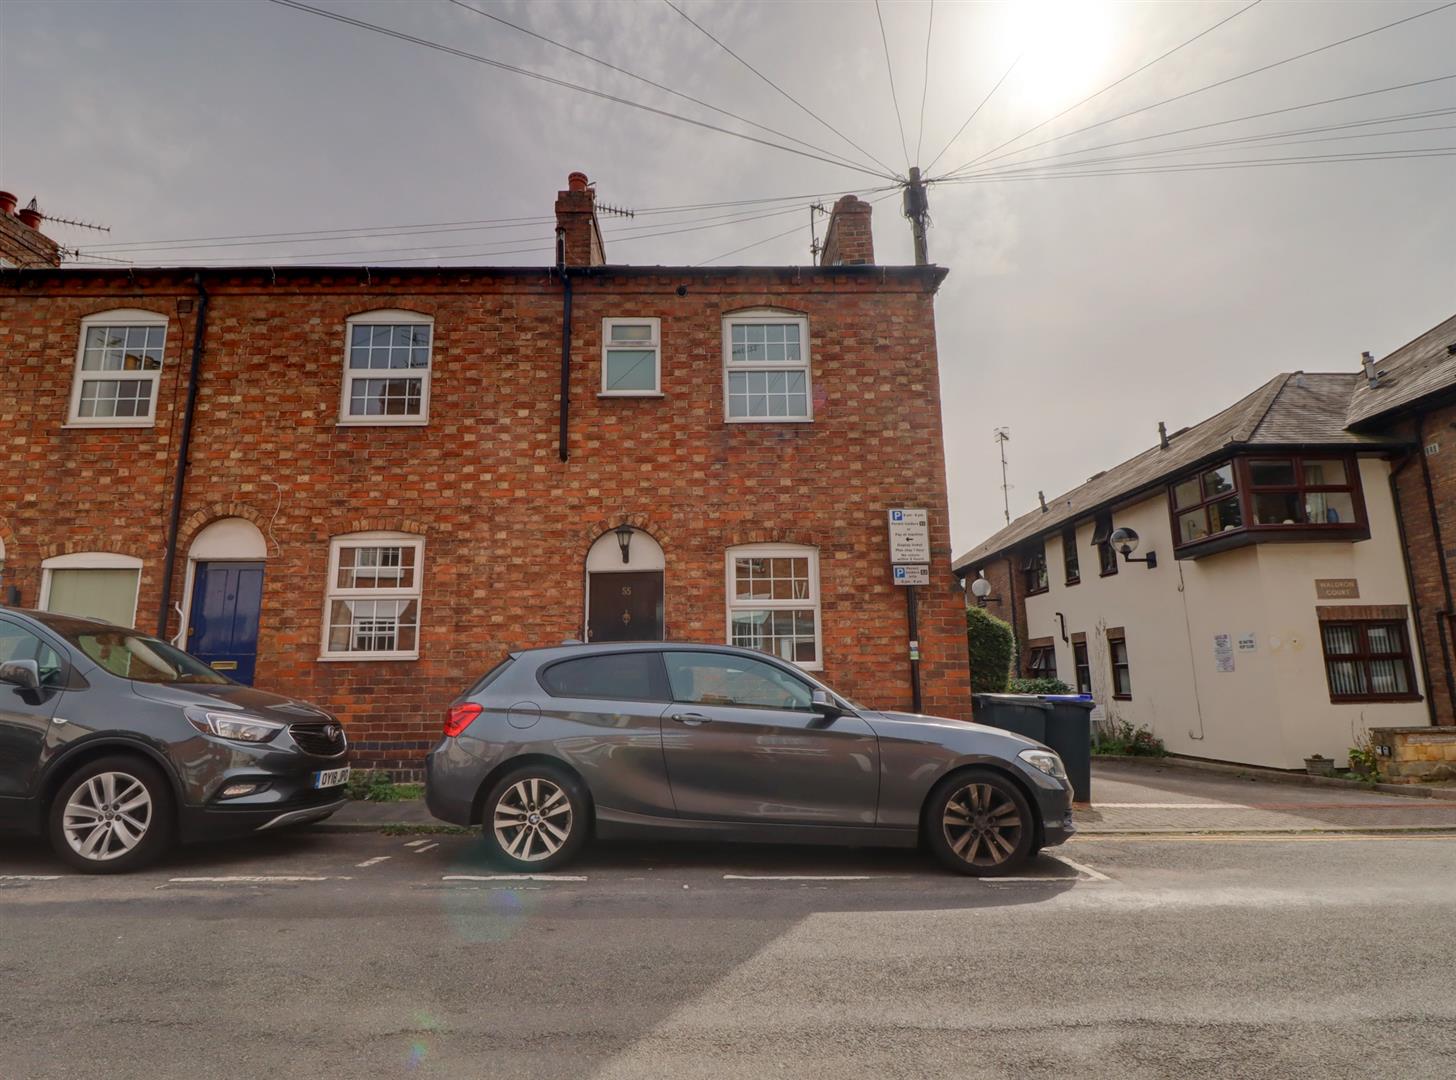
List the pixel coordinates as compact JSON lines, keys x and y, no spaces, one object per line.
{"x":425,"y":848}
{"x":799,"y":877}
{"x":30,"y":877}
{"x":1092,"y":875}
{"x":415,"y":843}
{"x":513,"y":877}
{"x":253,"y":879}
{"x":374,"y":861}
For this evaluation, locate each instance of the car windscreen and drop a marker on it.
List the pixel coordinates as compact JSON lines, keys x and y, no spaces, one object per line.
{"x":136,"y":656}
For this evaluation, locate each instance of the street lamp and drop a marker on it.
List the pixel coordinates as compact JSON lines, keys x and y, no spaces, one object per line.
{"x":1126,"y":541}
{"x":981,"y":590}
{"x":624,"y":540}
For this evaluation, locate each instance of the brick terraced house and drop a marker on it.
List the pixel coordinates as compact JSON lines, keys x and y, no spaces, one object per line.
{"x":362,"y":486}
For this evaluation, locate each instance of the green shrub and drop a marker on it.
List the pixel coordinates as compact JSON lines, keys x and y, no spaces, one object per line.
{"x":375,"y":786}
{"x":1122,"y":738}
{"x":1038,"y":686}
{"x":992,"y":646}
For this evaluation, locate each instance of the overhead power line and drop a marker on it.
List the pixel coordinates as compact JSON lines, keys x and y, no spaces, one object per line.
{"x":1273,"y":138}
{"x":1232,"y":120}
{"x":1210,"y":86}
{"x":1213,"y":166}
{"x":646,"y":81}
{"x":989,"y":94}
{"x":565,"y":84}
{"x":709,"y":35}
{"x":776,"y":236}
{"x":890,"y":70}
{"x":925,"y":86}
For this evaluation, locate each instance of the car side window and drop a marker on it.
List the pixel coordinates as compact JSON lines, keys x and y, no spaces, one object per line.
{"x":726,"y":679}
{"x":631,"y":676}
{"x":18,"y":643}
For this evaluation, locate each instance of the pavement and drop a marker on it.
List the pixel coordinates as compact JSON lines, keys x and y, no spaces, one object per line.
{"x":1129,"y":798}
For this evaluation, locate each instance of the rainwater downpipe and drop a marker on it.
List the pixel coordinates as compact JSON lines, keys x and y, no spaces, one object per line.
{"x":562,"y":449}
{"x":1410,"y":584}
{"x":1443,"y":617}
{"x":184,"y":446}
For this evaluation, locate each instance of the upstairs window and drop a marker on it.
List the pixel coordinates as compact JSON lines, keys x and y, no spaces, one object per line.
{"x":631,"y":357}
{"x":1301,"y":491}
{"x":372,"y":610}
{"x":1071,"y":564}
{"x":766,"y":368}
{"x":387,"y":368}
{"x":118,"y":369}
{"x":1102,"y":541}
{"x":1207,"y":503}
{"x":773,"y":601}
{"x":1034,"y":577}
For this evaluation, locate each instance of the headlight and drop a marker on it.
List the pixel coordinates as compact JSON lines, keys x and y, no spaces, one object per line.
{"x":248,"y":729}
{"x":1046,"y":761}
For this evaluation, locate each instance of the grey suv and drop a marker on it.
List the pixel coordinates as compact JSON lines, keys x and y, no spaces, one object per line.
{"x":713,"y":742}
{"x":113,"y":743}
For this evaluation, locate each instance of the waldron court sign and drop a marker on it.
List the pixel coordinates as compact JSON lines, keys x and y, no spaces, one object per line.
{"x":910,"y":566}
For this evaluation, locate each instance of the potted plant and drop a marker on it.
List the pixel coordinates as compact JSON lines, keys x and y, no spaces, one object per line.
{"x":1317,"y":765}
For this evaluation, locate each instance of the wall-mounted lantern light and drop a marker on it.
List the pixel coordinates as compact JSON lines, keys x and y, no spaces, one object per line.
{"x":981,"y":590}
{"x":1126,"y":541}
{"x":624,"y":540}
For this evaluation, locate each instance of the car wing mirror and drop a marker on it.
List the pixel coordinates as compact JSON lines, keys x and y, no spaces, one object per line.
{"x":824,"y":704}
{"x":22,"y":673}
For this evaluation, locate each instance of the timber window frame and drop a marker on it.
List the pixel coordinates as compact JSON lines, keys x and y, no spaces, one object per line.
{"x":1035,"y":579}
{"x":1120,"y":663}
{"x":1363,"y":654}
{"x":1071,"y":561}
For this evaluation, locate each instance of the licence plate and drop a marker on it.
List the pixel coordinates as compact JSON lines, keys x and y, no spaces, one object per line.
{"x":331,"y":778}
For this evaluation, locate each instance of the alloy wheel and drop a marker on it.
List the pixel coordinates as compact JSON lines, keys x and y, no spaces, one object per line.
{"x":532,"y":819}
{"x":107,"y":816}
{"x":982,"y":825}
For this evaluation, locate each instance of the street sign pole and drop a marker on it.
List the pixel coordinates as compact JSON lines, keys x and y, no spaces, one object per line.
{"x":909,"y":567}
{"x":912,"y":614}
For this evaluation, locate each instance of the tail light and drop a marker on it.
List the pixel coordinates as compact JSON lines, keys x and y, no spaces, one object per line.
{"x":460,"y":718}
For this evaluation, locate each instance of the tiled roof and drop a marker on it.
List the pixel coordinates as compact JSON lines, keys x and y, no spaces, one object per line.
{"x":1422,"y":367}
{"x":1289,"y":410}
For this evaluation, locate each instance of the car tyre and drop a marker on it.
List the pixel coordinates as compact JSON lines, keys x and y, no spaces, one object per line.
{"x":978,"y":822}
{"x":535,"y":818}
{"x":111,"y":816}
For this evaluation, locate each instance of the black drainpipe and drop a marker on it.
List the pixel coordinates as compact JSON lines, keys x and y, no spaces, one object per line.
{"x":565,"y":340}
{"x":1444,"y":615}
{"x":1410,"y":583}
{"x":179,"y":476}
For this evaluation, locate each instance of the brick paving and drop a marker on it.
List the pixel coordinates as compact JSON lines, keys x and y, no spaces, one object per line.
{"x":1141,"y":799}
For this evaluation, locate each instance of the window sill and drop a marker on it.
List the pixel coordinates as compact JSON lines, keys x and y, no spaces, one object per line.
{"x":411,"y":422}
{"x":1108,"y":573}
{"x":768,"y":419}
{"x":1377,"y":699}
{"x":1072,"y":581}
{"x":631,"y":394}
{"x":367,"y":657}
{"x":1036,"y":592}
{"x":1121,"y":697}
{"x":102,"y":425}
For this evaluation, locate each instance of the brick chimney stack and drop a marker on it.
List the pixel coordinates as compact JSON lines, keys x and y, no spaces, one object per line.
{"x":848,"y":241}
{"x":578,"y":236}
{"x":21,"y":241}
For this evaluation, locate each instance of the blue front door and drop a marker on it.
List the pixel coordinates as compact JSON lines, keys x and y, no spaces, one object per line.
{"x":223,"y":628}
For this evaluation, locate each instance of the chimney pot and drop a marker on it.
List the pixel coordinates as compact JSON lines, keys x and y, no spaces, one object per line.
{"x":30,"y":215}
{"x":579,"y":237}
{"x":7,"y":203}
{"x":576,"y":182}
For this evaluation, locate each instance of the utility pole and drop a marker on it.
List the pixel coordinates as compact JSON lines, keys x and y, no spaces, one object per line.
{"x":917,"y":209}
{"x":1003,"y":436}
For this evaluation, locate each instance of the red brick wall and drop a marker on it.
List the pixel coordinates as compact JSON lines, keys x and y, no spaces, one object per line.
{"x":1421,"y":525}
{"x":20,"y":245}
{"x":506,"y":523}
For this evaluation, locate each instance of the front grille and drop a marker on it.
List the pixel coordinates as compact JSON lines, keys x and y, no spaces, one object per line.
{"x":317,"y":739}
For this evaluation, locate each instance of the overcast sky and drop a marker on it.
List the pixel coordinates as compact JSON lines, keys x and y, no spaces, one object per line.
{"x":1080,"y":310}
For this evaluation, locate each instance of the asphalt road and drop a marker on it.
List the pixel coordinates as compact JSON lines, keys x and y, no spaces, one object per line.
{"x":381,"y":956}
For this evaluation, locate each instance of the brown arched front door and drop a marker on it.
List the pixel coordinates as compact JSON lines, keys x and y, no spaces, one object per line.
{"x":624,"y":606}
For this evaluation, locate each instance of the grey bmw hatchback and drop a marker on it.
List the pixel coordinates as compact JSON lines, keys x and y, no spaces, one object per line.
{"x":555,"y":745}
{"x":114,"y":744}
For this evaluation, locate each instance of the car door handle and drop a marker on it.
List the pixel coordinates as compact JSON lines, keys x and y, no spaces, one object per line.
{"x":692,"y":718}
